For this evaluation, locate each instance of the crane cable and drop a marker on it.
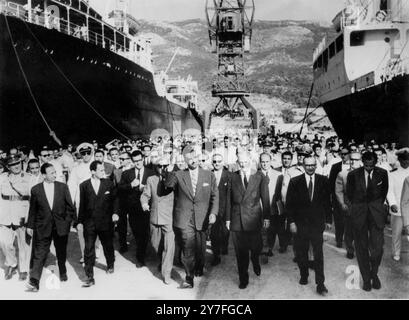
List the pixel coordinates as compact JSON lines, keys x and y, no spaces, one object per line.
{"x":308,"y":106}
{"x":25,"y":77}
{"x":74,"y":87}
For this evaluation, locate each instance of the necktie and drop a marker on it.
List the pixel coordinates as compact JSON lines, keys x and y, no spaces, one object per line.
{"x":138,"y":176}
{"x":194,"y":182}
{"x":246,"y":183}
{"x":369,"y":187}
{"x":310,"y":188}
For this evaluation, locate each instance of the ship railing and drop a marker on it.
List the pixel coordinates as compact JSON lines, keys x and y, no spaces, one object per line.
{"x":71,"y":29}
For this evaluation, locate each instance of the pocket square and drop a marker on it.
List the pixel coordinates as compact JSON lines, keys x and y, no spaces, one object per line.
{"x":107,"y":192}
{"x":205,"y":184}
{"x":379,"y":183}
{"x":225,"y":184}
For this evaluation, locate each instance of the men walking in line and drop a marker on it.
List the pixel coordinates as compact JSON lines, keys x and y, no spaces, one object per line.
{"x":159,"y":201}
{"x":131,"y":186}
{"x":97,"y":212}
{"x":50,"y":216}
{"x":343,"y":203}
{"x":248,"y":205}
{"x":308,"y":210}
{"x":196,"y":207}
{"x":367,"y":189}
{"x":14,"y":204}
{"x":219,"y":235}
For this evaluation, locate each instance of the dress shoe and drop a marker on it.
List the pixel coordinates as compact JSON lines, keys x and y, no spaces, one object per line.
{"x":123,"y":249}
{"x":88,"y":283}
{"x":199,"y":273}
{"x":339,"y":245}
{"x":257,"y":270}
{"x":167,"y":280}
{"x":140,"y":263}
{"x":187,"y":285}
{"x":376,"y":283}
{"x":396,"y":258}
{"x":295,"y":260}
{"x":350,"y":255}
{"x":110,"y":270}
{"x":282,"y":250}
{"x":303,"y":281}
{"x":270,"y":253}
{"x":321,"y":289}
{"x":225,"y":252}
{"x":82,"y":260}
{"x":33,"y":286}
{"x":216,"y":261}
{"x":243,"y":285}
{"x":10,"y":272}
{"x":23,"y":276}
{"x":63,"y":277}
{"x":160,"y":267}
{"x":367,"y":286}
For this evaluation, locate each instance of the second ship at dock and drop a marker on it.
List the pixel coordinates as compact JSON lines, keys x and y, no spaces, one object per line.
{"x":89,"y":78}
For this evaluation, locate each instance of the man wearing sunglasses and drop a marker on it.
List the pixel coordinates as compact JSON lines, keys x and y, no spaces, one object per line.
{"x":161,"y":217}
{"x":79,"y":174}
{"x":131,"y":186}
{"x":47,"y":156}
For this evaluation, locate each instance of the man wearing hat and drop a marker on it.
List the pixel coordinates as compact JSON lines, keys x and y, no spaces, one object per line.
{"x":14,"y":205}
{"x":161,"y":217}
{"x":79,"y":174}
{"x":396,"y":185}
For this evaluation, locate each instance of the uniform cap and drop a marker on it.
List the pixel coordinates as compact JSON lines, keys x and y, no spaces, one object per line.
{"x":15,"y":159}
{"x":85,"y":147}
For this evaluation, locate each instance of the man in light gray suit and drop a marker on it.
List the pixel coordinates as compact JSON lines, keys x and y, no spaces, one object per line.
{"x":159,"y":201}
{"x":196,"y":207}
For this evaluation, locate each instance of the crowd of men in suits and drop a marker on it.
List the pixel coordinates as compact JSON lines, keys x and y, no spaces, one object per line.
{"x":177,"y":195}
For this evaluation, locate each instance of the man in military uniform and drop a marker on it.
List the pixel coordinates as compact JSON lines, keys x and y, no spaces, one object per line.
{"x":14,"y":204}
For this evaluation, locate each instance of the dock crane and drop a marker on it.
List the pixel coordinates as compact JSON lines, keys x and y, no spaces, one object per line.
{"x":230,"y":24}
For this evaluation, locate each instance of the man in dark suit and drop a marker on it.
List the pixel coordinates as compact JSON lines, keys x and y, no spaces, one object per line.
{"x":219,"y":235}
{"x":50,"y":216}
{"x":367,"y":188}
{"x":308,"y":209}
{"x":97,"y":212}
{"x":131,"y":186}
{"x":196,"y":207}
{"x":338,"y":214}
{"x":99,"y":155}
{"x":245,"y":215}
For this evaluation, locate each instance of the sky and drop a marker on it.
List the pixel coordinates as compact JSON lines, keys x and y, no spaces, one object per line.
{"x":175,"y":10}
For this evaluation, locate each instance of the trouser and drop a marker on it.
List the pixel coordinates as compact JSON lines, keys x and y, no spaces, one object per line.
{"x":397,"y":227}
{"x":246,"y":243}
{"x":122,"y":228}
{"x":81,"y":239}
{"x":7,"y":239}
{"x":339,"y":223}
{"x":369,"y":241}
{"x":163,"y":242}
{"x":139,"y":222}
{"x":348,"y":233}
{"x":193,"y":245}
{"x":219,"y":236}
{"x":306,"y":237}
{"x":278,"y":228}
{"x":107,"y":241}
{"x":41,"y":248}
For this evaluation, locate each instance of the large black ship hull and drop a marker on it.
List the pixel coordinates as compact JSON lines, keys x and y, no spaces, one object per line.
{"x":380,"y":112}
{"x":84,"y":91}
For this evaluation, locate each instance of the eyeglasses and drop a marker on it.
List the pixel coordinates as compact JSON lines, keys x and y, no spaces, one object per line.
{"x":45,"y":155}
{"x":85,"y":153}
{"x":215,"y":162}
{"x":123,"y":159}
{"x":355,"y":159}
{"x":137,"y":160}
{"x":162,"y":166}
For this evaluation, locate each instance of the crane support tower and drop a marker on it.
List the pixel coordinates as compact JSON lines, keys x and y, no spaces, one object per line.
{"x":230,"y":32}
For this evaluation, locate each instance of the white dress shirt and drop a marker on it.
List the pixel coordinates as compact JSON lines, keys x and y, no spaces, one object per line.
{"x":308,"y":179}
{"x":95,"y":184}
{"x":49,"y":192}
{"x":366,"y":177}
{"x":194,"y":175}
{"x":247,"y":174}
{"x":218,"y":175}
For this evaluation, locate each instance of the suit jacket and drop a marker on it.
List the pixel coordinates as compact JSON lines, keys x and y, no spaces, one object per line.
{"x":132,"y":196}
{"x":41,"y":217}
{"x":223,"y":193}
{"x":304,"y":212}
{"x":361,"y":202}
{"x":96,"y":210}
{"x":274,"y":178}
{"x":335,"y":169}
{"x":246,"y":209}
{"x":109,"y":170}
{"x":201,"y":204}
{"x":160,"y":200}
